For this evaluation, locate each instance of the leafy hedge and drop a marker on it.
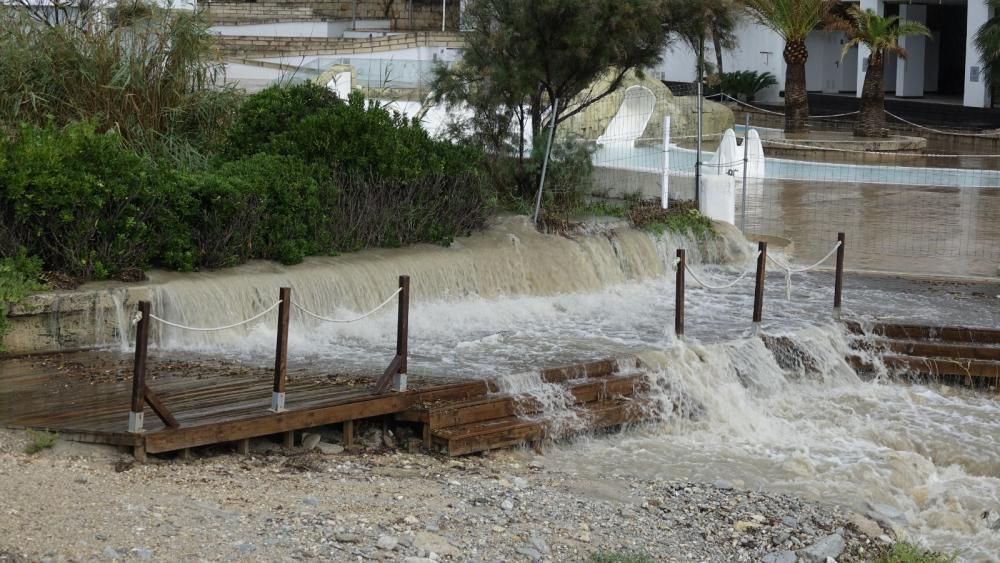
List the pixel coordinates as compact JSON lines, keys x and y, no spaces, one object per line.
{"x":299,"y":173}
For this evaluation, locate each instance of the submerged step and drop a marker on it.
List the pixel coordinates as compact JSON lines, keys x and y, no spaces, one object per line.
{"x":926,"y":332}
{"x":514,"y":430}
{"x":930,"y":349}
{"x":932,"y":367}
{"x":443,"y":414}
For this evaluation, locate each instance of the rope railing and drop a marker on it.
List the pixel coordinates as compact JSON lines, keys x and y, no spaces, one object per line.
{"x":789,"y":270}
{"x":856,"y":151}
{"x":940,"y":131}
{"x":352,"y":320}
{"x":701,"y":282}
{"x":394,"y":375}
{"x":772,"y":112}
{"x":138,"y":317}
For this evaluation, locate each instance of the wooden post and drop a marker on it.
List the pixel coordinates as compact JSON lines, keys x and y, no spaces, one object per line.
{"x":288,"y":439}
{"x":679,"y":295}
{"x":348,"y":433}
{"x":402,"y":333}
{"x":838,"y":284}
{"x":135,"y":415}
{"x":758,"y":295}
{"x":281,"y":351}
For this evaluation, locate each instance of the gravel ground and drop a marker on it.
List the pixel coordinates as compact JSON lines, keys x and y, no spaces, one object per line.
{"x":89,"y":503}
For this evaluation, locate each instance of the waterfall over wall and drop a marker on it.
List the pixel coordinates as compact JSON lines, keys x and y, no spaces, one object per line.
{"x":511,"y":258}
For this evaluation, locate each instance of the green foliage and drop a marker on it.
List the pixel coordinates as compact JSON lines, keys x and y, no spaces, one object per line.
{"x":905,"y":552}
{"x":19,"y":277}
{"x":568,"y":176}
{"x":619,"y":557}
{"x":263,"y":206}
{"x":880,"y":34}
{"x":988,"y":44}
{"x":354,"y":137}
{"x":522,"y":55}
{"x":793,"y":20}
{"x":79,"y":199}
{"x":744,"y":84}
{"x":40,"y":441}
{"x":147,"y":72}
{"x":681,"y":218}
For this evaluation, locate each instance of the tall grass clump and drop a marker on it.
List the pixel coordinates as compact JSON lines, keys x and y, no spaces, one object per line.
{"x":147,"y":72}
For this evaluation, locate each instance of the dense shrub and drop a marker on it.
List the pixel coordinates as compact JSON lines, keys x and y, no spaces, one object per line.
{"x":146,"y":71}
{"x":352,"y":137}
{"x":263,"y":206}
{"x":19,"y":276}
{"x":79,"y":199}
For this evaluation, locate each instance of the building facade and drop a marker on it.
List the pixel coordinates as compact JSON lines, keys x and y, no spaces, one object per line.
{"x":945,"y":66}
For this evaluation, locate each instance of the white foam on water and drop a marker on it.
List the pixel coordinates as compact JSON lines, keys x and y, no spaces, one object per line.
{"x":925,"y":458}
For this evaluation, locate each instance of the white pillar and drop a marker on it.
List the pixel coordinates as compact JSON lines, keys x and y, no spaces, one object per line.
{"x":976,"y":93}
{"x":910,"y":71}
{"x":863,"y":52}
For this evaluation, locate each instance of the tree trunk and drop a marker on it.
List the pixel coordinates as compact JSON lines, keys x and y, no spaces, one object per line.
{"x":717,"y":45}
{"x":796,"y":98}
{"x":536,"y":114}
{"x":871,"y":114}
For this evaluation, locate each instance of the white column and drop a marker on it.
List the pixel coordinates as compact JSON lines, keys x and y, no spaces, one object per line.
{"x":976,"y":93}
{"x":863,"y":52}
{"x":910,"y":71}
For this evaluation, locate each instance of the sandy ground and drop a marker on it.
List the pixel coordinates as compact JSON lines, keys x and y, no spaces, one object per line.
{"x":79,"y":502}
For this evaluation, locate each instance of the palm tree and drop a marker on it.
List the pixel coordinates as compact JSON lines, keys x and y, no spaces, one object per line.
{"x":988,"y":45}
{"x":793,"y":20}
{"x":881,"y":35}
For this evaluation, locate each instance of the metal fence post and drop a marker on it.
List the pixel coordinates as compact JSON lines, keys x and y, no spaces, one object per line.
{"x":545,"y":162}
{"x":665,"y":179}
{"x":746,"y":164}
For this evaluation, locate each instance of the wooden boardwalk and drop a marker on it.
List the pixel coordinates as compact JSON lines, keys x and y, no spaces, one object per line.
{"x":211,"y":406}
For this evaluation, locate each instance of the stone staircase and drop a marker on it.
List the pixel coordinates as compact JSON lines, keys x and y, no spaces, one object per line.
{"x":602,"y":395}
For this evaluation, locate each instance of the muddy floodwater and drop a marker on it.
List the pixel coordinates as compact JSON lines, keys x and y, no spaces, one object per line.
{"x":923,"y":458}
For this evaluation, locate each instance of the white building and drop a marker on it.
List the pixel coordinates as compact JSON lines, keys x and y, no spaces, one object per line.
{"x":946,"y":66}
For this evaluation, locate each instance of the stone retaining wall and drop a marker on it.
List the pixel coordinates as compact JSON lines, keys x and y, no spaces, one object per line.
{"x":422,"y":15}
{"x":260,"y":46}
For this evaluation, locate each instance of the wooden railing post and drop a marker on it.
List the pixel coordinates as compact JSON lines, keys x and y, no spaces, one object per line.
{"x":281,"y":351}
{"x":135,"y":415}
{"x":679,"y":295}
{"x":402,"y":333}
{"x":838,"y":284}
{"x":758,"y":294}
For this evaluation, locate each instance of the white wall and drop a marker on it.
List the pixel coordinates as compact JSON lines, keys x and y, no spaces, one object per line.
{"x":976,"y":93}
{"x":758,"y":49}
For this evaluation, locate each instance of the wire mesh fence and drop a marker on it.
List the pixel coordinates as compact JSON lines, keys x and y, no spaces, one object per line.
{"x":908,"y":203}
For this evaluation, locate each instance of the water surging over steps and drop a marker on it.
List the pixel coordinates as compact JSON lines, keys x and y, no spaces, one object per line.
{"x":789,"y":414}
{"x":509,"y":259}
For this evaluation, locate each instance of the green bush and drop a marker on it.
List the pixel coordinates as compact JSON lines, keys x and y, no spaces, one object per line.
{"x":352,"y":137}
{"x":19,"y":275}
{"x":744,"y":84}
{"x":79,"y":199}
{"x":263,"y":206}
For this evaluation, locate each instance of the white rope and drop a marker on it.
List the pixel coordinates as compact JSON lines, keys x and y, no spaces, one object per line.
{"x":956,"y":133}
{"x":355,"y":319}
{"x":726,"y":286}
{"x":213,"y":329}
{"x":890,"y":153}
{"x":738,"y":101}
{"x":790,"y":270}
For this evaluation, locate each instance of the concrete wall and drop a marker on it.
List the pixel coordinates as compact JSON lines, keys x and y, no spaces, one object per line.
{"x":263,"y":46}
{"x":401,"y":14}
